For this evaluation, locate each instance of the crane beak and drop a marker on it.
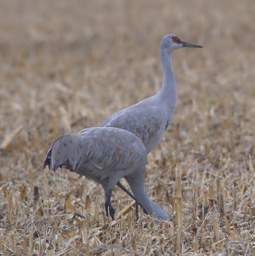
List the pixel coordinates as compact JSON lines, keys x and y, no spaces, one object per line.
{"x":190,"y":45}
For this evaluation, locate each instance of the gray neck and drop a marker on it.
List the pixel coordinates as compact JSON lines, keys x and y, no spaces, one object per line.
{"x":137,"y":186}
{"x":168,"y":90}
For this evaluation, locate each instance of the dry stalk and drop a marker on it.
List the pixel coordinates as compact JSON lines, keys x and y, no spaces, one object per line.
{"x":220,"y":196}
{"x":125,"y":210}
{"x":10,"y":137}
{"x":178,"y":209}
{"x":65,"y":119}
{"x":10,"y":204}
{"x":211,"y":197}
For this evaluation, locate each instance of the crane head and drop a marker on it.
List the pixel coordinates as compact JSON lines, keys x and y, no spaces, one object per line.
{"x":62,"y":153}
{"x":171,"y":42}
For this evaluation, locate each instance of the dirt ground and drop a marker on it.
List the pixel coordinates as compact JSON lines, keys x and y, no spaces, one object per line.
{"x":66,"y":65}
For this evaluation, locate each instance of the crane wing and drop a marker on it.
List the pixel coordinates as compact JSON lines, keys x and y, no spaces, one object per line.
{"x":148,"y":123}
{"x":96,"y":152}
{"x":110,"y":149}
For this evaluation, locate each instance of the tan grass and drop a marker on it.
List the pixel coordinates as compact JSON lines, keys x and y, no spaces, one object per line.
{"x":66,"y":65}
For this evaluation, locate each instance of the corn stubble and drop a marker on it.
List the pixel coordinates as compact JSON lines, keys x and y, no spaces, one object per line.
{"x":68,"y":68}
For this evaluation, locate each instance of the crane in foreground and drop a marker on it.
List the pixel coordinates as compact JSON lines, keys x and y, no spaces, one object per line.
{"x":149,"y":118}
{"x":105,"y":155}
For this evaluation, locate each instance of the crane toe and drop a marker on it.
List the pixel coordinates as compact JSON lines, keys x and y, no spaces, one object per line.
{"x":108,"y":204}
{"x":112,"y":212}
{"x":109,"y":210}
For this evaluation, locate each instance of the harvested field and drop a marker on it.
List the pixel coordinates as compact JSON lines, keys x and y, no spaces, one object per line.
{"x":66,"y":65}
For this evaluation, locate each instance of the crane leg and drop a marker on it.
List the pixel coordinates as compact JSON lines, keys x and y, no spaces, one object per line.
{"x":132,"y":196}
{"x":108,"y":205}
{"x":126,"y":190}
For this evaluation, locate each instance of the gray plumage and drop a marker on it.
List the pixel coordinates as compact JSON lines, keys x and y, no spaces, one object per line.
{"x":149,"y":118}
{"x":105,"y":155}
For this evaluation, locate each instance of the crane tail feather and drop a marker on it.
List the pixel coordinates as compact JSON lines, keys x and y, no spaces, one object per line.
{"x":47,"y":160}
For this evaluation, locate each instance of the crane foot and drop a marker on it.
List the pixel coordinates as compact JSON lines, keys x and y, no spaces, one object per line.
{"x":108,"y":204}
{"x":109,"y":210}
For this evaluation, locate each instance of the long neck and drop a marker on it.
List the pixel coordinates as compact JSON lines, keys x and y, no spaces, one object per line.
{"x":137,"y":186}
{"x":168,"y":90}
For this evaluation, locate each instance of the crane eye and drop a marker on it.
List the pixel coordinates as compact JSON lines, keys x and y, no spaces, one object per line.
{"x":176,"y":40}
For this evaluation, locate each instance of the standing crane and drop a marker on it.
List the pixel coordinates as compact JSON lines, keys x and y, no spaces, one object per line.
{"x":149,"y":118}
{"x":105,"y":155}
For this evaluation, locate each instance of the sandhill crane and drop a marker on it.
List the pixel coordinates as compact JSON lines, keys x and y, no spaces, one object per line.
{"x":149,"y":118}
{"x":105,"y":155}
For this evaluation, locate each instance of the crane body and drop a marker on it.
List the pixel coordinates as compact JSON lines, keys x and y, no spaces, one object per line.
{"x":105,"y":155}
{"x":149,"y":118}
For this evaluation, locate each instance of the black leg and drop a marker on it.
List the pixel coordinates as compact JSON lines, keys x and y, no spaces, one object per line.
{"x":133,"y":197}
{"x":108,"y":205}
{"x":125,"y":190}
{"x":112,"y":211}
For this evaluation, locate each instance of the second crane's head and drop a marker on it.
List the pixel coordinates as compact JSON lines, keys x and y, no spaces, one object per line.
{"x":171,"y":42}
